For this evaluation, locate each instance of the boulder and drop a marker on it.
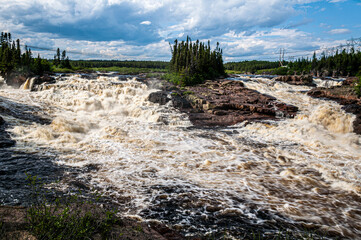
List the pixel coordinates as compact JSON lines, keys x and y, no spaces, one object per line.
{"x":160,"y":97}
{"x":16,"y":79}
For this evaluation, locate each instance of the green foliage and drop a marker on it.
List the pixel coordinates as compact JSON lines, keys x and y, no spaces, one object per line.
{"x":340,"y":64}
{"x":192,"y":63}
{"x":173,"y":78}
{"x":358,"y":88}
{"x":66,"y":218}
{"x":89,"y":64}
{"x":188,"y":92}
{"x":61,"y":61}
{"x":250,"y":66}
{"x":11,"y":58}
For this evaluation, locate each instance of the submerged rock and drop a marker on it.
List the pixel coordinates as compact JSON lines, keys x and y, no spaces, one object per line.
{"x":297,"y":80}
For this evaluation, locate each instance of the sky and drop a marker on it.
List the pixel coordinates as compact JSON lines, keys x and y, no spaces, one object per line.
{"x":143,"y":29}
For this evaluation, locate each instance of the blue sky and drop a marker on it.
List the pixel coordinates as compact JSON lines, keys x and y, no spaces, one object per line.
{"x":142,"y":29}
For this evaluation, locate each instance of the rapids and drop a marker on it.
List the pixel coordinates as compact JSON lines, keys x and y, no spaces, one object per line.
{"x":155,"y":165}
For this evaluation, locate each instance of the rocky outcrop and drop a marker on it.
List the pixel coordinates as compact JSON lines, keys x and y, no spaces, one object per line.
{"x":16,"y":79}
{"x":224,"y":103}
{"x":306,"y":80}
{"x":350,"y":81}
{"x":344,"y":95}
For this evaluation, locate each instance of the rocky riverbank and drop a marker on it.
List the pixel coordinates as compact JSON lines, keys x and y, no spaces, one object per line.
{"x":222,"y":103}
{"x":14,"y":226}
{"x":344,"y":95}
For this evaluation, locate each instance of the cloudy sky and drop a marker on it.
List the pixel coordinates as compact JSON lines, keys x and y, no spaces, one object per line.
{"x":142,"y":29}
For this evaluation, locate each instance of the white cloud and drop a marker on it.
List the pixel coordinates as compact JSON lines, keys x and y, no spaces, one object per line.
{"x":146,"y":23}
{"x":339,"y":31}
{"x":336,"y":1}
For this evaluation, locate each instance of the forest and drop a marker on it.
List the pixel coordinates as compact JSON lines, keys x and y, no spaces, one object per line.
{"x":12,"y":60}
{"x":345,"y":63}
{"x":194,"y":62}
{"x":83,"y":64}
{"x":251,"y":66}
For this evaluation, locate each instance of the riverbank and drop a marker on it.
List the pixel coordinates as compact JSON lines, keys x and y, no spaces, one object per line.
{"x":15,"y":226}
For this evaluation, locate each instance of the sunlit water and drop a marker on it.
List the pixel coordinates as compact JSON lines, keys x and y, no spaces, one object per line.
{"x":307,"y":169}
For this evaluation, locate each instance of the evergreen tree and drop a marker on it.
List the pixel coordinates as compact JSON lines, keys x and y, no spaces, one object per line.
{"x":192,"y":63}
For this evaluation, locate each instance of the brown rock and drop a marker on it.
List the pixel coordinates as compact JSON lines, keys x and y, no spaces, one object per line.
{"x":297,"y":80}
{"x":225,"y":102}
{"x":350,"y":81}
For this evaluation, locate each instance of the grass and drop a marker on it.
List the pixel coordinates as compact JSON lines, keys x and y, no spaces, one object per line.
{"x":234,"y":72}
{"x":67,"y":217}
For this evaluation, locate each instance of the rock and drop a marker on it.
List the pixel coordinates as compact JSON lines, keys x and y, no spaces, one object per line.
{"x":16,"y":79}
{"x":297,"y":80}
{"x":224,"y":103}
{"x":5,"y":139}
{"x":350,"y":81}
{"x":160,"y":97}
{"x":180,"y":102}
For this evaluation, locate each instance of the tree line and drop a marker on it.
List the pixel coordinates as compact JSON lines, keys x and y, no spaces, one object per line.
{"x":116,"y":63}
{"x":250,"y":66}
{"x":340,"y":64}
{"x":12,"y":59}
{"x":193,"y":62}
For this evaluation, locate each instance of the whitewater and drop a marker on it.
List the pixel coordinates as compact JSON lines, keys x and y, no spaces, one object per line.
{"x":304,"y":170}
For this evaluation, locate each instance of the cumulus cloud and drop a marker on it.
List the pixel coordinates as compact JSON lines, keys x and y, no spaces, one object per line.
{"x":99,"y":20}
{"x":141,"y":29}
{"x":339,"y":31}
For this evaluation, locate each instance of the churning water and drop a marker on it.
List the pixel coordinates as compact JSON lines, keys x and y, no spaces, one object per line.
{"x":150,"y":159}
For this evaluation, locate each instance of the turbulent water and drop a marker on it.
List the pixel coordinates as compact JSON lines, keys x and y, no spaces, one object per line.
{"x":155,"y":165}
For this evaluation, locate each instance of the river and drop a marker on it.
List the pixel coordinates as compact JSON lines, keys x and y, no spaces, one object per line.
{"x":154,"y":164}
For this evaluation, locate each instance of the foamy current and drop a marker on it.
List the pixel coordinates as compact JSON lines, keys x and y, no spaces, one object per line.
{"x":307,"y":169}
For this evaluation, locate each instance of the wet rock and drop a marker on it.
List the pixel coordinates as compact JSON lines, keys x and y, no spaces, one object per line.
{"x":16,"y":79}
{"x":350,"y":81}
{"x":180,"y":102}
{"x":225,"y":102}
{"x":344,"y":95}
{"x":5,"y":139}
{"x":45,"y":79}
{"x":160,"y":97}
{"x":297,"y":80}
{"x":356,"y":110}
